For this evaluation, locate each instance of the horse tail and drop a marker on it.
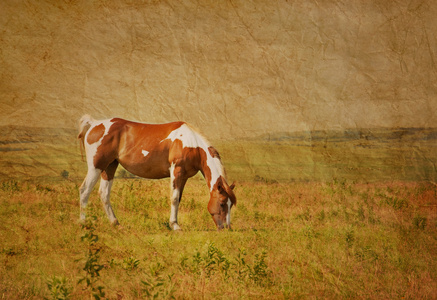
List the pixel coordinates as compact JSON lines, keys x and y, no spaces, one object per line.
{"x":84,"y":124}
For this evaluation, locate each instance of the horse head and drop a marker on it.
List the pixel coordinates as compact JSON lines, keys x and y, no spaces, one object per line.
{"x":222,"y":198}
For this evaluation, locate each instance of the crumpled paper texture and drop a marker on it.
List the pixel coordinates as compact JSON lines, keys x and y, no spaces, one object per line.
{"x":233,"y":69}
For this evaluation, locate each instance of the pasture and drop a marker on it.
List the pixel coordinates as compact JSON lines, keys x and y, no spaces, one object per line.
{"x":317,"y":216}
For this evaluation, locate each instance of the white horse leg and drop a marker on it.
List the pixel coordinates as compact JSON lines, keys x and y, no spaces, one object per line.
{"x":104,"y":192}
{"x":175,"y":197}
{"x":228,"y":215}
{"x":177,"y":184}
{"x":86,"y":188}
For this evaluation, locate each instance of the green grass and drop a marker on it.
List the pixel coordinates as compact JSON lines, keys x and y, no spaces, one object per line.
{"x":290,"y":240}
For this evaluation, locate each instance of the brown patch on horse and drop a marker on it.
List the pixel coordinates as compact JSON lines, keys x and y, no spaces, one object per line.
{"x":204,"y":168}
{"x":214,"y":153}
{"x":109,"y":173}
{"x":96,"y":134}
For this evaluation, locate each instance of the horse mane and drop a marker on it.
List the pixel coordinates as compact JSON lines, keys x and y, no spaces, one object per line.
{"x":201,"y":139}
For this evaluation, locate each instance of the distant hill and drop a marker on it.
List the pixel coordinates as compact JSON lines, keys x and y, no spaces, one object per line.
{"x":388,"y":134}
{"x":25,"y":134}
{"x":381,"y":154}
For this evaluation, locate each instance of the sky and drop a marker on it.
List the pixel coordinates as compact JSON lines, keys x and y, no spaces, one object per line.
{"x":231,"y":68}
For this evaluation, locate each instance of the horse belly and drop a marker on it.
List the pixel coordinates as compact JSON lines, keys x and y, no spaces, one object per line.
{"x":155,"y":167}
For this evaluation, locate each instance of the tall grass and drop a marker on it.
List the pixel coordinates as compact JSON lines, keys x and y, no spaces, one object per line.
{"x":290,"y":240}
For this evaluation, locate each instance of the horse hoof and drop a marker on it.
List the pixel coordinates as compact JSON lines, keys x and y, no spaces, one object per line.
{"x":176,"y":227}
{"x":115,"y":223}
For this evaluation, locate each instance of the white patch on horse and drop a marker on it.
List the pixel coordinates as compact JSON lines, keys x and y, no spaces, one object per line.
{"x":186,"y":135}
{"x":191,"y":139}
{"x":145,"y":153}
{"x":215,"y":166}
{"x":91,"y":149}
{"x":228,"y":215}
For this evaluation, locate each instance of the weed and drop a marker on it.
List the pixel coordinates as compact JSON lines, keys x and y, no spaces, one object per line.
{"x":59,"y":288}
{"x":112,"y":263}
{"x":321,"y":215}
{"x":309,"y":232}
{"x":397,"y":203}
{"x":211,"y":262}
{"x":372,"y":217}
{"x":360,"y":213}
{"x":260,"y":216}
{"x":350,"y":237}
{"x":65,"y":174}
{"x":157,"y":286}
{"x":10,"y":186}
{"x":44,"y":189}
{"x":259,"y":272}
{"x":366,"y":253}
{"x":261,"y":179}
{"x":11,"y":251}
{"x":92,"y":266}
{"x":305,"y":216}
{"x":130,"y":263}
{"x":215,"y":262}
{"x":241,"y":267}
{"x":419,"y":222}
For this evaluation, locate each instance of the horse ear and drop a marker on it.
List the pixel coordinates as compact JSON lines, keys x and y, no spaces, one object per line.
{"x":229,"y":190}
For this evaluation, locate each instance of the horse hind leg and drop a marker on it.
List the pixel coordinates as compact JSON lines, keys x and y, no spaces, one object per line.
{"x":177,"y":183}
{"x":86,"y":189}
{"x":106,"y":181}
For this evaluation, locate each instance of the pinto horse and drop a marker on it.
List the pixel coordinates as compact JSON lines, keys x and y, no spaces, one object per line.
{"x":152,"y":151}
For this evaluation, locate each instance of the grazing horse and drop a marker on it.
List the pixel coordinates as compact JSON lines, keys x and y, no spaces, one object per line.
{"x":152,"y":151}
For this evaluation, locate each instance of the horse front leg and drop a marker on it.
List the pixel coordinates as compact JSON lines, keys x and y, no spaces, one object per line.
{"x":177,"y":183}
{"x":175,"y":200}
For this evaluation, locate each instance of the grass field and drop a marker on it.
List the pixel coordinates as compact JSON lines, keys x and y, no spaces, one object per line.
{"x":293,"y":240}
{"x":326,"y":215}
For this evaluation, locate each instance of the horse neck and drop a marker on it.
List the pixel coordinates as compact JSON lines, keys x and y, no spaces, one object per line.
{"x":211,"y":169}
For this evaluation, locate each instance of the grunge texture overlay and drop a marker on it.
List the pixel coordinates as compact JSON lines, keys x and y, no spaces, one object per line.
{"x":239,"y":68}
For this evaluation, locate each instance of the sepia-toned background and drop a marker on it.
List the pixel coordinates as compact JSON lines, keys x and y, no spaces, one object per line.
{"x":238,"y":67}
{"x":324,"y":115}
{"x":233,"y":69}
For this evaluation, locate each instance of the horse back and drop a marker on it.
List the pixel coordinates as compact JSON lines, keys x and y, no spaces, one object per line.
{"x":140,"y":148}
